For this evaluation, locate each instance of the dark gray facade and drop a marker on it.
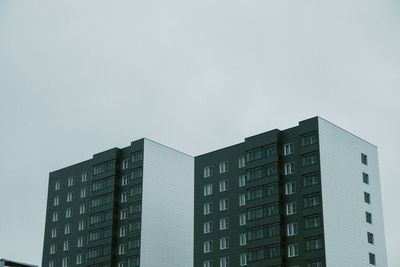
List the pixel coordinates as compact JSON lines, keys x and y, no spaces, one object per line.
{"x":270,"y":185}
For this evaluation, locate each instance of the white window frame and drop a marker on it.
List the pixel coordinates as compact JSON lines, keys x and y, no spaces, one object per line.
{"x":243,"y":239}
{"x":291,"y":229}
{"x":242,"y":180}
{"x":224,"y":262}
{"x":125,"y":164}
{"x":55,"y":216}
{"x":122,"y":249}
{"x":81,"y":225}
{"x":66,"y":245}
{"x":207,"y":263}
{"x":223,"y":204}
{"x":207,"y":246}
{"x":207,"y":227}
{"x":207,"y":171}
{"x":65,"y":262}
{"x":53,"y":249}
{"x":243,"y":259}
{"x":57,"y":186}
{"x":70,"y":196}
{"x":223,"y":185}
{"x":82,"y":209}
{"x":290,"y":188}
{"x":207,"y":208}
{"x":241,"y":162}
{"x":83,"y":192}
{"x":70,"y":181}
{"x":242,"y":219}
{"x":68,"y":213}
{"x":56,"y":201}
{"x":224,"y":223}
{"x":124,"y":197}
{"x":293,"y":250}
{"x":84,"y":177}
{"x":208,"y":190}
{"x":289,"y":168}
{"x":242,"y":199}
{"x":223,"y":243}
{"x":79,"y":259}
{"x":223,"y":167}
{"x":67,"y":229}
{"x":80,"y":242}
{"x":291,"y":208}
{"x":122,"y":231}
{"x":53,"y":232}
{"x":288,"y":149}
{"x":124,"y":214}
{"x":124,"y":180}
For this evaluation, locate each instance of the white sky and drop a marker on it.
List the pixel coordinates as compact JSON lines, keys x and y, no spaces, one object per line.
{"x":79,"y":77}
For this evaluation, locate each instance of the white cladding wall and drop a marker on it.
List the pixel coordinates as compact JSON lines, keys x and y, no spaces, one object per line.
{"x":345,"y":226}
{"x":167,"y":207}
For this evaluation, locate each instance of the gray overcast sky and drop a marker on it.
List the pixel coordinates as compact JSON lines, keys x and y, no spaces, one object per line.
{"x":79,"y":77}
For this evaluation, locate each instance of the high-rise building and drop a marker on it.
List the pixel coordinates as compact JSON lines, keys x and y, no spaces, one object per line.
{"x":308,"y":196}
{"x":124,"y":207}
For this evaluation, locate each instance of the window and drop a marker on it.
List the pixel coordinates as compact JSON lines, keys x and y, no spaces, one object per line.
{"x":242,"y":180}
{"x":314,"y":243}
{"x":370,"y":237}
{"x":288,"y":149}
{"x":263,"y":211}
{"x":207,"y":246}
{"x":134,"y":243}
{"x":367,"y":198}
{"x":124,"y":197}
{"x":68,"y":213}
{"x":80,"y":242}
{"x":83,"y":192}
{"x":84,"y":177}
{"x":309,"y":139}
{"x":56,"y":201}
{"x":79,"y":259}
{"x":81,"y":225}
{"x":125,"y":164}
{"x":137,"y":156}
{"x":57,"y":186}
{"x":224,"y":223}
{"x":69,"y":197}
{"x":207,"y":171}
{"x":121,"y":249}
{"x":223,"y":186}
{"x":263,"y":231}
{"x":70,"y":181}
{"x":208,"y":263}
{"x":291,"y":229}
{"x":289,"y":168}
{"x":207,"y":227}
{"x":52,"y":248}
{"x":223,"y":243}
{"x":82,"y":209}
{"x":137,"y":173}
{"x":55,"y":216}
{"x":242,"y":219}
{"x":124,"y":214}
{"x":208,"y":190}
{"x":135,"y":207}
{"x":242,"y":162}
{"x":224,"y":262}
{"x":317,"y":263}
{"x":261,"y":172}
{"x":242,"y":239}
{"x":261,"y":152}
{"x":52,"y":263}
{"x":122,"y":231}
{"x":223,"y":167}
{"x":207,"y":208}
{"x":124,"y":180}
{"x":291,"y":208}
{"x":53,"y":232}
{"x":223,"y":204}
{"x":242,"y":200}
{"x":364,"y":159}
{"x":262,"y":191}
{"x":65,"y":262}
{"x":365,"y":178}
{"x":368,"y":217}
{"x":136,"y":190}
{"x":372,"y":259}
{"x":311,"y":201}
{"x":290,"y":188}
{"x":66,"y":245}
{"x":243,"y":259}
{"x":310,"y":179}
{"x":313,"y":221}
{"x":293,"y":250}
{"x":67,"y":229}
{"x":310,"y":159}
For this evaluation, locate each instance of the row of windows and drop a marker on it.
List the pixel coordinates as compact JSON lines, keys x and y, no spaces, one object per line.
{"x":70,"y":181}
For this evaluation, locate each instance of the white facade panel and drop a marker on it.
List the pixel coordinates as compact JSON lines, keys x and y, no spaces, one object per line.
{"x":345,"y":226}
{"x":167,"y":207}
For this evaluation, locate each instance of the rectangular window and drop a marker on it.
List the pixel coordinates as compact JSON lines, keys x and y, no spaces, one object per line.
{"x":372,"y":259}
{"x":223,"y":204}
{"x":263,"y":232}
{"x":53,"y":232}
{"x":311,"y":201}
{"x":310,"y":179}
{"x":262,"y":172}
{"x":64,"y":262}
{"x":207,"y":171}
{"x":370,"y":237}
{"x":135,"y":207}
{"x":207,"y":227}
{"x":208,"y":263}
{"x":122,"y":231}
{"x":56,"y":201}
{"x":68,"y":213}
{"x":291,"y":208}
{"x":223,"y":167}
{"x":290,"y":188}
{"x":364,"y":159}
{"x":243,"y":259}
{"x":315,"y":263}
{"x":293,"y":250}
{"x":291,"y":229}
{"x":124,"y":197}
{"x":79,"y":259}
{"x":67,"y":229}
{"x":207,"y":208}
{"x":242,"y":239}
{"x":262,"y":152}
{"x":121,"y":249}
{"x":288,"y":149}
{"x":242,"y":162}
{"x":66,"y":245}
{"x":223,"y":243}
{"x":84,"y":177}
{"x":368,"y":217}
{"x":242,"y":180}
{"x":310,"y":159}
{"x":309,"y":139}
{"x":81,"y":225}
{"x":124,"y":214}
{"x":70,"y":181}
{"x":125,"y":164}
{"x":124,"y":180}
{"x":313,"y":221}
{"x":224,"y":262}
{"x":365,"y":178}
{"x":207,"y":246}
{"x":264,"y":211}
{"x":242,"y":219}
{"x":83,"y":192}
{"x":69,"y":197}
{"x":136,"y":190}
{"x":82,"y":209}
{"x":289,"y":168}
{"x":224,"y":223}
{"x":137,"y":173}
{"x":55,"y":216}
{"x":57,"y":186}
{"x":103,"y":167}
{"x":137,"y":156}
{"x":313,"y":243}
{"x":262,"y":191}
{"x":208,"y":190}
{"x":367,"y":198}
{"x":223,"y":186}
{"x":80,"y":242}
{"x":242,"y":200}
{"x":52,"y":249}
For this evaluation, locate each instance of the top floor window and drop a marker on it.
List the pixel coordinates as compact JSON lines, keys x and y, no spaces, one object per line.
{"x":125,"y":164}
{"x":364,"y":159}
{"x":309,"y":139}
{"x":84,"y":177}
{"x":70,"y":181}
{"x":223,"y":167}
{"x":137,"y":156}
{"x":57,"y":186}
{"x":242,"y":162}
{"x":207,"y":171}
{"x":288,"y":149}
{"x":261,"y":152}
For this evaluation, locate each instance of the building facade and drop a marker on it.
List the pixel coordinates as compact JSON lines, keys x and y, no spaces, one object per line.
{"x":122,"y":208}
{"x":308,"y":196}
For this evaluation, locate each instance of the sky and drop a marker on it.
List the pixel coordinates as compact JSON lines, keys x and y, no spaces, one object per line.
{"x":80,"y":77}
